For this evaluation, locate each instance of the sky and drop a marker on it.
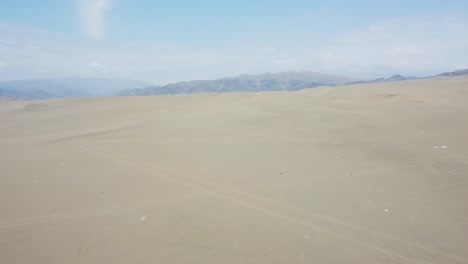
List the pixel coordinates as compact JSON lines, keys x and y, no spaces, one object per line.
{"x":169,"y":41}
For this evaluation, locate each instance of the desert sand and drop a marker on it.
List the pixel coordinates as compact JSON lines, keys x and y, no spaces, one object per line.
{"x":373,"y":173}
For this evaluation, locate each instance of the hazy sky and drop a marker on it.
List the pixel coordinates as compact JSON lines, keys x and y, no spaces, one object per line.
{"x":167,"y":41}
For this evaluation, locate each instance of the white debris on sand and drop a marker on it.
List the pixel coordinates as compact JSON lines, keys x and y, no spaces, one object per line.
{"x":444,"y":147}
{"x":143,"y":218}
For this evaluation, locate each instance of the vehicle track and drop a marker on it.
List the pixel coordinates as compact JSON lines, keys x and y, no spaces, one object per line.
{"x":383,"y":243}
{"x":99,"y":212}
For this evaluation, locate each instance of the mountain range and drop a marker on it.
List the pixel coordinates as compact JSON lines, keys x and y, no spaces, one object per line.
{"x":394,"y":78}
{"x":40,"y":89}
{"x":283,"y":81}
{"x":454,"y":73}
{"x":397,"y":77}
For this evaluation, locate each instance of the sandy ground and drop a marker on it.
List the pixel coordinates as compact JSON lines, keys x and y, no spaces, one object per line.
{"x":355,"y":174}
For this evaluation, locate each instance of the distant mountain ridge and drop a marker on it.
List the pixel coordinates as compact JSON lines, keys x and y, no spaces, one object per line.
{"x":283,"y":81}
{"x":40,"y":89}
{"x":454,"y":73}
{"x":394,"y":78}
{"x":397,"y":77}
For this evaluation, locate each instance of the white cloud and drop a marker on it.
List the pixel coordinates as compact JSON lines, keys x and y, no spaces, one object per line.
{"x":92,"y":14}
{"x":95,"y":68}
{"x":95,"y":65}
{"x":417,"y":46}
{"x":410,"y":46}
{"x":3,"y":64}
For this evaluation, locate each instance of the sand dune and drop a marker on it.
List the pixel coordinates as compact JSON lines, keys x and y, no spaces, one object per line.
{"x":371,"y":173}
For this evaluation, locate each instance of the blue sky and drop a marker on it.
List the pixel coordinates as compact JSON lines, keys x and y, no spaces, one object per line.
{"x":168,"y":41}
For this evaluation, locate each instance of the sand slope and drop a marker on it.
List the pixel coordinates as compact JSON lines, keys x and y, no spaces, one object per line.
{"x":354,"y":174}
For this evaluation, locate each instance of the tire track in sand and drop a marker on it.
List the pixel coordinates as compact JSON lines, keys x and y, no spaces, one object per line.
{"x":98,"y":212}
{"x":383,"y":243}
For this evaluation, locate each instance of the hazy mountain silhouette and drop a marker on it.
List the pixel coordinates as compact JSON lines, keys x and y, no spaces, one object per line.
{"x":283,"y":81}
{"x":39,"y":89}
